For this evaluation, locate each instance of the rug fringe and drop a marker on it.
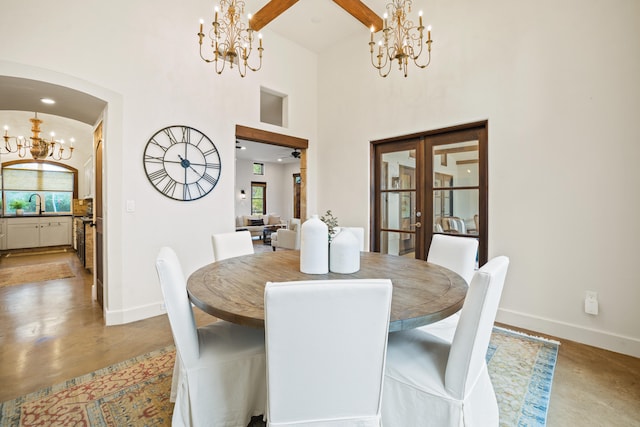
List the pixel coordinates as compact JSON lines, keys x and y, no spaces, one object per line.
{"x":527,"y":335}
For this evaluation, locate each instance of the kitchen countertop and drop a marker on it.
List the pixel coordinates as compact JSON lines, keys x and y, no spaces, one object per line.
{"x":44,"y":215}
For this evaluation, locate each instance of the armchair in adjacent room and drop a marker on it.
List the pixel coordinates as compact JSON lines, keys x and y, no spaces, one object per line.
{"x":288,"y":238}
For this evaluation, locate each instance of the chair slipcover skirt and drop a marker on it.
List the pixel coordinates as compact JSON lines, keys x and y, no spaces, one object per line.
{"x":228,"y":385}
{"x":415,"y":396}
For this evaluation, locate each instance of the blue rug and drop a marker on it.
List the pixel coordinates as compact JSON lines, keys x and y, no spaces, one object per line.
{"x":521,"y":369}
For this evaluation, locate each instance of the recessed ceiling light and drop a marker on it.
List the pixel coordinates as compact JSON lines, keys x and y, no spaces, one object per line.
{"x":47,"y":101}
{"x":279,"y":160}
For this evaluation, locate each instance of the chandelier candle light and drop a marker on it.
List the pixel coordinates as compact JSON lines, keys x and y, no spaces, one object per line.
{"x":401,"y":39}
{"x":231,"y":39}
{"x":38,"y":147}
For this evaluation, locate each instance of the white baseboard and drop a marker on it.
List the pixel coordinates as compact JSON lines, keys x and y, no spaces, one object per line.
{"x":594,"y":337}
{"x":119,"y":317}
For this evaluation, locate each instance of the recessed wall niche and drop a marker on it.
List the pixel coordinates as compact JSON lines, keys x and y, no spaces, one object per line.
{"x":273,"y":107}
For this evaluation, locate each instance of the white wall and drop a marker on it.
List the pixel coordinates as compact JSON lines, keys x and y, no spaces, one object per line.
{"x":142,"y":58}
{"x":558,"y":84}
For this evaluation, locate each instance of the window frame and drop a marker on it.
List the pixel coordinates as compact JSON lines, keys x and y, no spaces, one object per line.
{"x":261,"y":165}
{"x":8,"y":164}
{"x":263,"y":185}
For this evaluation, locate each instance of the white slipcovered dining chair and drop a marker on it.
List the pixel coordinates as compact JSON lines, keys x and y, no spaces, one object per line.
{"x":229,"y":245}
{"x":434,"y":382}
{"x":458,"y":254}
{"x":326,"y":345}
{"x":220,"y":373}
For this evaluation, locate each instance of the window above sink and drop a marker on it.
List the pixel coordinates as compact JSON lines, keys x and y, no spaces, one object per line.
{"x":44,"y":188}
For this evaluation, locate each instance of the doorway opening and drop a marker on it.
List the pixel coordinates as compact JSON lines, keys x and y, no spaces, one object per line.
{"x":293,"y":144}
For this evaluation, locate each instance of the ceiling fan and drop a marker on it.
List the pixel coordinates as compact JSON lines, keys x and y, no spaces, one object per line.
{"x":295,"y":154}
{"x":355,"y":8}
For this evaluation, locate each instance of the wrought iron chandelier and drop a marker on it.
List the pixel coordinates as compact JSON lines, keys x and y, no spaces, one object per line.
{"x":401,"y":40}
{"x":231,"y":39}
{"x":39,"y":148}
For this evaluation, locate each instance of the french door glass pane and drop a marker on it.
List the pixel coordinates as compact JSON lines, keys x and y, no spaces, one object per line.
{"x":397,"y":171}
{"x":456,"y":165}
{"x":394,"y":243}
{"x":456,"y":211}
{"x":398,"y":209}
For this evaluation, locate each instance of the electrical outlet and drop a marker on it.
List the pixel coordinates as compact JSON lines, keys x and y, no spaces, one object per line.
{"x":591,"y":302}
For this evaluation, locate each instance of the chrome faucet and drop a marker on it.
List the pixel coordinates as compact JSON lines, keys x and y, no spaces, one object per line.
{"x":39,"y":199}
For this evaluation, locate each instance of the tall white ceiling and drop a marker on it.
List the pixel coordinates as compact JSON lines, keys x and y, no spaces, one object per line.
{"x":314,"y":24}
{"x":318,"y":24}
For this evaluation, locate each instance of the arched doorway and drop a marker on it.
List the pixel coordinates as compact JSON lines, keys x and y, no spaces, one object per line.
{"x":91,"y":104}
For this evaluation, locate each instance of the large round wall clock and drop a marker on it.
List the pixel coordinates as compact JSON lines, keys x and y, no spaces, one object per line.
{"x":182,"y":163}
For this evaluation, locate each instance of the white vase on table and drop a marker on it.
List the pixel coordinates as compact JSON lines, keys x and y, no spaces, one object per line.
{"x":314,"y":246}
{"x":344,"y":254}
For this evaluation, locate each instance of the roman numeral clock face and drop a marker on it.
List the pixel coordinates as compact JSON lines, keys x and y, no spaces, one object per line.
{"x":182,"y":163}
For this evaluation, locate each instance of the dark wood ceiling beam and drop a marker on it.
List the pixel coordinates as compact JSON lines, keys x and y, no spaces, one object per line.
{"x":463,"y":149}
{"x":266,"y":137}
{"x":269,"y":12}
{"x":361,"y":12}
{"x":467,"y":162}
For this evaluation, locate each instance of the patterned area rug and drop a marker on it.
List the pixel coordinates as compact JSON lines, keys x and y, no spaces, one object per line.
{"x":34,"y":273}
{"x":136,"y":392}
{"x":521,"y":369}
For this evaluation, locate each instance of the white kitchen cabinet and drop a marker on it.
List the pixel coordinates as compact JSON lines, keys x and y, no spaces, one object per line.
{"x":38,"y":232}
{"x":23,"y":233}
{"x":55,"y":231}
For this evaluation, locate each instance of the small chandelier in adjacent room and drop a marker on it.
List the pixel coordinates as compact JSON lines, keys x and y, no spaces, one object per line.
{"x":232,"y":40}
{"x":38,"y":147}
{"x":401,"y":40}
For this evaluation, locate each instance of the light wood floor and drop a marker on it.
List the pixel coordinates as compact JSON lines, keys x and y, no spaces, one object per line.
{"x":52,"y":331}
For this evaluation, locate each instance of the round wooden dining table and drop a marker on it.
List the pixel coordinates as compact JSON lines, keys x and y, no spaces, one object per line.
{"x":233,"y":289}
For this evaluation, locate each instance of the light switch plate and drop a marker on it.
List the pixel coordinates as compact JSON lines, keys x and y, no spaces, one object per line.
{"x":131,"y":206}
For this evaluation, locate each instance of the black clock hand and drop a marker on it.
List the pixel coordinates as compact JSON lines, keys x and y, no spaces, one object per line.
{"x":197,"y":164}
{"x":187,"y":164}
{"x":173,"y":161}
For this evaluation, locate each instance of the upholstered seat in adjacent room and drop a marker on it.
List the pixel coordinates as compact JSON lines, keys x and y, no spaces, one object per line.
{"x":220,"y":374}
{"x":326,"y":345}
{"x":430,"y":381}
{"x":288,"y":238}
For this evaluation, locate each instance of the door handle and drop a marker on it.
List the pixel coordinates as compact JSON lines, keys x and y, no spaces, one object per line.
{"x":416,"y":225}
